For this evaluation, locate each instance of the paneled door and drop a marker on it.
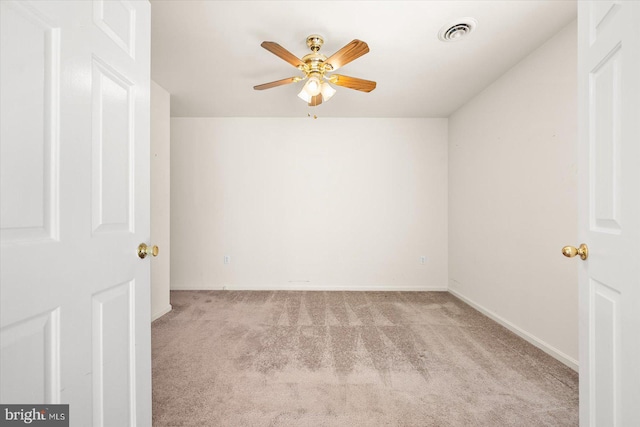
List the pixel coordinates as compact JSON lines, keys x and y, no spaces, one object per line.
{"x":609,"y":185}
{"x":74,"y":200}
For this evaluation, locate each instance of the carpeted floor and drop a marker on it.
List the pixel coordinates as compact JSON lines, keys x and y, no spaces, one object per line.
{"x":240,"y":358}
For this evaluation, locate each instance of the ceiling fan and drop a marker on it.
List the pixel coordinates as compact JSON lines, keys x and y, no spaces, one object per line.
{"x":315,"y":66}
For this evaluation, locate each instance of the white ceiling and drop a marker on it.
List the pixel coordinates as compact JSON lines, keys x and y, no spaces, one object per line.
{"x":207,"y":54}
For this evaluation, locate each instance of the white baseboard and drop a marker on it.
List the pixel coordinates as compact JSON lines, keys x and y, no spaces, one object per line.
{"x":550,"y":350}
{"x":161,"y":313}
{"x":299,"y":286}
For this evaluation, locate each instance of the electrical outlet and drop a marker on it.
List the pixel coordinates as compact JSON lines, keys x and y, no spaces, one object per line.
{"x":227,"y":259}
{"x":423,"y":259}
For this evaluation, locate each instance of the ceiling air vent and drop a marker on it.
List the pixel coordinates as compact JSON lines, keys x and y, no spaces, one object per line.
{"x":456,"y":31}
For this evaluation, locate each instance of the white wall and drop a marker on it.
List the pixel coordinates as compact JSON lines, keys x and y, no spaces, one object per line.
{"x":512,"y":198}
{"x":160,"y":200}
{"x":308,"y":204}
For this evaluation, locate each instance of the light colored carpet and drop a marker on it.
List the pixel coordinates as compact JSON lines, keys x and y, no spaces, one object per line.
{"x":240,"y":358}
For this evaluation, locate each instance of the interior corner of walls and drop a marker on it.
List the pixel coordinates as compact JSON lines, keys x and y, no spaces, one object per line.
{"x":453,"y":284}
{"x":153,"y":82}
{"x":161,"y":313}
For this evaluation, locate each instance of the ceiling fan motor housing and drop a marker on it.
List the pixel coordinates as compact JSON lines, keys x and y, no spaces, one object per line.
{"x":315,"y":42}
{"x":314,"y":61}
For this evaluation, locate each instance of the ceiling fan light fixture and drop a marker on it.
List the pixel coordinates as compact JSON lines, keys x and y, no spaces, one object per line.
{"x":312,"y":86}
{"x":327,"y":91}
{"x":304,"y":95}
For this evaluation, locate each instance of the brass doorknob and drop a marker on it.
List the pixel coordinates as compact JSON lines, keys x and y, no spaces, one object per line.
{"x":144,"y":250}
{"x":582,"y":250}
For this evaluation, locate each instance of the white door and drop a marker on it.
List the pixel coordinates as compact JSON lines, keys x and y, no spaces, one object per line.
{"x":74,"y":205}
{"x":609,"y":185}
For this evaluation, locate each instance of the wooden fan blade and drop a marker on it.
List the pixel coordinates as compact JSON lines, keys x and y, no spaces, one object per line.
{"x":277,"y":83}
{"x":315,"y":100}
{"x":353,"y":83}
{"x":283,"y":53}
{"x":351,"y":51}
